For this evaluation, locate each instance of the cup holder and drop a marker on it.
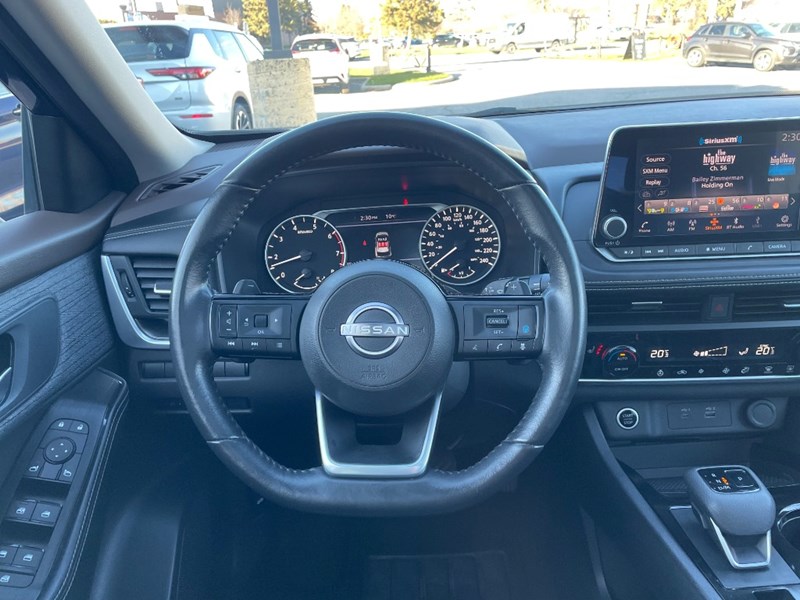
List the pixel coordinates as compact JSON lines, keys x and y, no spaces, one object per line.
{"x":787,"y":535}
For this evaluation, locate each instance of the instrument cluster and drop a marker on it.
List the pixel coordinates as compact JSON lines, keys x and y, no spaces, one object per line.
{"x":458,"y":244}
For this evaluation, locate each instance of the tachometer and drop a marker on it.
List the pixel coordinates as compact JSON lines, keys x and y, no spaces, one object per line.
{"x":302,"y":251}
{"x":460,"y":245}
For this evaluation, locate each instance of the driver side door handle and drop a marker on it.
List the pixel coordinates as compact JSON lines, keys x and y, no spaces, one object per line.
{"x":6,"y":365}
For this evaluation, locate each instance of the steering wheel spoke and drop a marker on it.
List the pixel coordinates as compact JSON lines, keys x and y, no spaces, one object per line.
{"x":255,"y":326}
{"x":393,"y":447}
{"x":504,"y":328}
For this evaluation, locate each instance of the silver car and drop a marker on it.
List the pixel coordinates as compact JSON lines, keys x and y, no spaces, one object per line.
{"x":195,"y":72}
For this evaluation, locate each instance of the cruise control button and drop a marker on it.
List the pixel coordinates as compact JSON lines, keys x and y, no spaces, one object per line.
{"x":46,"y":513}
{"x":626,"y":252}
{"x":777,"y":247}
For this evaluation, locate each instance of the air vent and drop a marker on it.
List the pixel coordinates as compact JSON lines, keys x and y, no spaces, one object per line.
{"x":173,"y":183}
{"x":767,"y":306}
{"x":155,"y":275}
{"x":621,"y":309}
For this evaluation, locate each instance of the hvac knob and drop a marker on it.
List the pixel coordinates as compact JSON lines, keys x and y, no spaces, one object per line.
{"x":621,"y":361}
{"x":614,"y":227}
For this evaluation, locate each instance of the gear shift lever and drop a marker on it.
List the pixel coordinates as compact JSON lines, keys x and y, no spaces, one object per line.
{"x":737,"y":510}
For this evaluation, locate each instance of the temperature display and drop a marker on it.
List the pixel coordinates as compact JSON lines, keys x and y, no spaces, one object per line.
{"x":738,"y":347}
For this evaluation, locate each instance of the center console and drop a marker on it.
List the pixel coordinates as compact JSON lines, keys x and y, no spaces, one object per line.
{"x":700,"y":191}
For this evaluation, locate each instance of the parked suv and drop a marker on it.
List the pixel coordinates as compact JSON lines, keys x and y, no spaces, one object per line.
{"x":739,"y":43}
{"x":195,"y":73}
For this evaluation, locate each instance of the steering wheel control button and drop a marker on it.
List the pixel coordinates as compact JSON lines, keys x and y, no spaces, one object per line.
{"x":478,"y":319}
{"x":475,"y":347}
{"x":499,"y":346}
{"x":46,"y":513}
{"x":227,"y":321}
{"x":527,"y":322}
{"x":21,"y":510}
{"x":522,"y":347}
{"x":628,"y":418}
{"x":59,"y":450}
{"x":254,"y":345}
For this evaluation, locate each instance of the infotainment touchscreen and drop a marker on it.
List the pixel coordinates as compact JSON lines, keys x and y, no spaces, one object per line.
{"x":688,"y":191}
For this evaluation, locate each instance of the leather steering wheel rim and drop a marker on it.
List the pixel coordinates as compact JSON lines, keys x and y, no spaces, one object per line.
{"x":435,"y":491}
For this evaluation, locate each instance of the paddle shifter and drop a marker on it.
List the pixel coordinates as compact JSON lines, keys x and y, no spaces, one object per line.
{"x":737,"y":510}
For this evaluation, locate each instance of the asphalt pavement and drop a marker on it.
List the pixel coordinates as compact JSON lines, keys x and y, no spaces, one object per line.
{"x":531,"y":81}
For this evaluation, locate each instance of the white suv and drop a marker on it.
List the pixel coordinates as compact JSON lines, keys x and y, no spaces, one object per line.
{"x":195,"y":72}
{"x":330,"y":63}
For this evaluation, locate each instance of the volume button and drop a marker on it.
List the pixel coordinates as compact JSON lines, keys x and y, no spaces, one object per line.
{"x":614,"y":227}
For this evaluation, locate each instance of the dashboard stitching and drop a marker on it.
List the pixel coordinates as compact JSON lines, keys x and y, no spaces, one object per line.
{"x":151,"y":229}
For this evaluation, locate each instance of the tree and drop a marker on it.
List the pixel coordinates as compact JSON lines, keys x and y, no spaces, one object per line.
{"x":297,"y":17}
{"x":419,"y":17}
{"x":349,"y":22}
{"x":232,"y":16}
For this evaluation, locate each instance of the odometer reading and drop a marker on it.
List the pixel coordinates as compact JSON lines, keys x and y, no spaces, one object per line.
{"x":460,"y":245}
{"x":302,"y":251}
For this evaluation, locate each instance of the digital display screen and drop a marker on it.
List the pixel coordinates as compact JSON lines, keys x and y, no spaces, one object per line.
{"x":389,"y":232}
{"x":702,"y":184}
{"x":742,"y":347}
{"x":741,"y":183}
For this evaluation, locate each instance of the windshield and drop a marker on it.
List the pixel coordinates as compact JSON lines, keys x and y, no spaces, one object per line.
{"x":220,"y":67}
{"x":762,"y":30}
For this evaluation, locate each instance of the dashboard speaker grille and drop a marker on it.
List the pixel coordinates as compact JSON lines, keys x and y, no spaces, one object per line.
{"x":155,"y":275}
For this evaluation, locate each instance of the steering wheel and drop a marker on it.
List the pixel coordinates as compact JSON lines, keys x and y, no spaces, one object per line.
{"x":377,"y":338}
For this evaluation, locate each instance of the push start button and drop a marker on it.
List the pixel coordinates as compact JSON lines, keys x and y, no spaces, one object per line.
{"x":627,"y":418}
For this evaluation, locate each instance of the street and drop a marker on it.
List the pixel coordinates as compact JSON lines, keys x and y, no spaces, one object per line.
{"x":530,"y":81}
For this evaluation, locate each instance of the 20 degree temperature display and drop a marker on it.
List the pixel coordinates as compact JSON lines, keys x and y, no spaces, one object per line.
{"x":460,"y":245}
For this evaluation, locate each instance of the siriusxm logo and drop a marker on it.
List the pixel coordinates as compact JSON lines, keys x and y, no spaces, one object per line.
{"x":374,"y":329}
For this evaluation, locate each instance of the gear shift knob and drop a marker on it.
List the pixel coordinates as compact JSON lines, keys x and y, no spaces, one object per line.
{"x":738,"y":511}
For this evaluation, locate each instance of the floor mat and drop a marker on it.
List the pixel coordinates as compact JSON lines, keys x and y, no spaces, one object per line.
{"x":474,"y":576}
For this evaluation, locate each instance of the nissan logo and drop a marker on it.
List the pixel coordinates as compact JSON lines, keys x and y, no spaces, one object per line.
{"x":381,"y":324}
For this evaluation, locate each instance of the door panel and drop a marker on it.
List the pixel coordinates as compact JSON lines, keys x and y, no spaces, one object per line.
{"x":59,"y":327}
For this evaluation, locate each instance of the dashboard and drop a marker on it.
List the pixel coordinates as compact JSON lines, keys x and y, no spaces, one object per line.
{"x":717,"y":324}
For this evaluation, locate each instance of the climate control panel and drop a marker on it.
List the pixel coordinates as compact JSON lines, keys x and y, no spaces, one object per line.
{"x":692,"y":354}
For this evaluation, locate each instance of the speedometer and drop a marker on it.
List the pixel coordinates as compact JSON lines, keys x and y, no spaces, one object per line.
{"x":460,"y":245}
{"x":302,"y":251}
